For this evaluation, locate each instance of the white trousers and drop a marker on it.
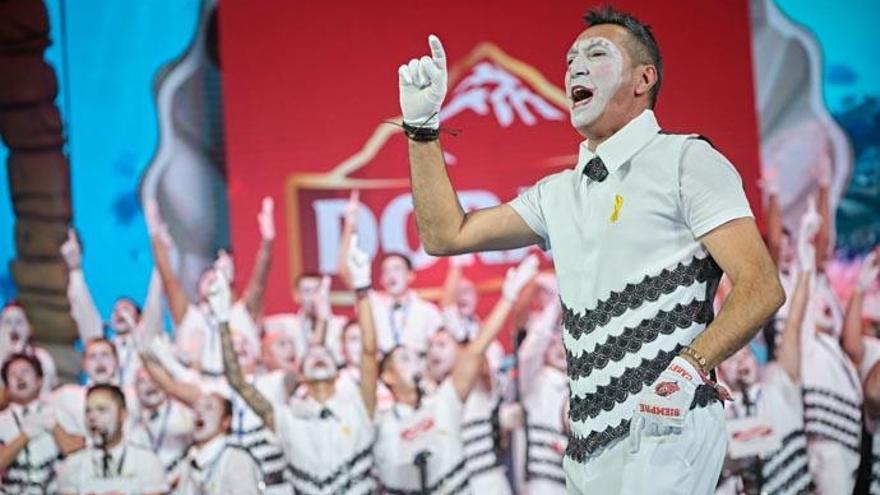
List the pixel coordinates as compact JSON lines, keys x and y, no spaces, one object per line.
{"x":686,"y":463}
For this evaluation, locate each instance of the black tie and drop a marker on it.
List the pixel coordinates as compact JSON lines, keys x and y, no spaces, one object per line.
{"x":596,"y":170}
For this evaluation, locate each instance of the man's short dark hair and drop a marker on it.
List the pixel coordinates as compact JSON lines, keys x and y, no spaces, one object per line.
{"x":305,"y":275}
{"x":405,"y":258}
{"x":30,"y":358}
{"x":130,"y":300}
{"x":102,"y":340}
{"x":644,"y":50}
{"x":115,"y":393}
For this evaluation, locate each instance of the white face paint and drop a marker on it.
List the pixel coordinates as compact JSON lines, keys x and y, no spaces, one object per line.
{"x":318,"y":364}
{"x":466,"y":298}
{"x":555,"y":354}
{"x":395,"y":276}
{"x":117,"y":321}
{"x":205,"y":283}
{"x":99,"y":362}
{"x":352,"y":344}
{"x":595,"y":72}
{"x":442,"y":353}
{"x":307,"y":294}
{"x":208,"y":420}
{"x":408,"y":365}
{"x":103,"y":417}
{"x":14,"y":323}
{"x":23,"y":384}
{"x":225,"y":265}
{"x":279,"y":351}
{"x":740,"y":369}
{"x":246,"y":356}
{"x":148,"y":393}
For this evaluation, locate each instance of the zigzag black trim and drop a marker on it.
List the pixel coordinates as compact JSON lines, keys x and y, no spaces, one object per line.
{"x":634,"y":295}
{"x":301,"y":475}
{"x":631,"y":340}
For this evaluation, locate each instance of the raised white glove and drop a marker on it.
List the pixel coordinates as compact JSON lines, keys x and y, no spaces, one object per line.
{"x":517,"y":278}
{"x":322,"y":302}
{"x":155,"y":226}
{"x":548,"y":319}
{"x":39,"y":422}
{"x":220,"y":297}
{"x":71,"y":251}
{"x":662,"y":408}
{"x":359,"y":266}
{"x":770,"y":180}
{"x":810,"y":223}
{"x":423,"y":87}
{"x":869,"y":271}
{"x":266,"y":219}
{"x":823,"y":171}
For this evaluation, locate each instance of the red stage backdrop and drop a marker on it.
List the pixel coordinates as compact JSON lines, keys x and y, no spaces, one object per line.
{"x":309,"y":85}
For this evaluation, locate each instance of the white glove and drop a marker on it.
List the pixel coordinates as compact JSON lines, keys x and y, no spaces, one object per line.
{"x":423,"y":87}
{"x":71,"y":251}
{"x":322,"y":299}
{"x":37,"y":423}
{"x":662,"y":408}
{"x":770,"y":181}
{"x":155,"y":226}
{"x":810,"y":223}
{"x":518,"y":277}
{"x":869,"y":271}
{"x":352,"y":207}
{"x":266,"y":219}
{"x":822,"y":171}
{"x":220,"y":297}
{"x":359,"y":266}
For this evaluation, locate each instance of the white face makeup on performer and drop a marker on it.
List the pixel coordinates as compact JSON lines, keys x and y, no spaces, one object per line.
{"x":407,"y":368}
{"x":247,"y":359}
{"x":211,"y":417}
{"x":14,"y":322}
{"x":555,"y":354}
{"x":306,"y":294}
{"x":318,"y":364}
{"x":352,"y":344}
{"x":279,"y":351}
{"x":118,"y":322}
{"x":595,"y":72}
{"x":205,"y":283}
{"x":741,"y":369}
{"x":148,"y":393}
{"x":396,"y":276}
{"x":466,"y":298}
{"x":104,"y":418}
{"x":442,"y":353}
{"x":99,"y":361}
{"x":22,"y":382}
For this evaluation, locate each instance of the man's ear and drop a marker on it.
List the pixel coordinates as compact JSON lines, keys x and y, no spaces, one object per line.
{"x":647,"y":78}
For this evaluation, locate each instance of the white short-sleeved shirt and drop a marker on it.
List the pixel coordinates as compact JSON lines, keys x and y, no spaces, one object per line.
{"x":166,"y":431}
{"x":219,"y":468}
{"x":300,"y":327}
{"x":434,"y":428}
{"x":197,"y":337}
{"x":328,"y":446}
{"x":635,"y":282}
{"x":130,"y":470}
{"x":411,"y":323}
{"x":33,"y":469}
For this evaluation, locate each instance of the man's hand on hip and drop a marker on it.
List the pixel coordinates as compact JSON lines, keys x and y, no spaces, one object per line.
{"x":662,"y":408}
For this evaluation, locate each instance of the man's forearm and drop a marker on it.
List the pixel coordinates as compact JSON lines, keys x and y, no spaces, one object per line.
{"x":236,"y":379}
{"x":256,"y":288}
{"x":439,"y":215}
{"x":746,"y":309}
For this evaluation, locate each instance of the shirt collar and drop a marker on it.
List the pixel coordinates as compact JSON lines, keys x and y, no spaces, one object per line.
{"x":207,"y":453}
{"x":115,"y":452}
{"x":622,"y":145}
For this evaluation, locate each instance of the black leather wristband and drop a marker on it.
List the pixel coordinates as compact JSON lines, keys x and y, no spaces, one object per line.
{"x":420,"y":134}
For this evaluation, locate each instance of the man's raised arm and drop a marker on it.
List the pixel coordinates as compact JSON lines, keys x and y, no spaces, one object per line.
{"x":444,"y":227}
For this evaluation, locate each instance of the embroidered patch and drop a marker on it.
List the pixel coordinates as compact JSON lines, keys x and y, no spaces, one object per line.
{"x":618,"y":205}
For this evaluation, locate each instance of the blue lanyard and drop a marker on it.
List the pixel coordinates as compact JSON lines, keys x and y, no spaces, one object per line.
{"x":393,"y":324}
{"x":156,"y":443}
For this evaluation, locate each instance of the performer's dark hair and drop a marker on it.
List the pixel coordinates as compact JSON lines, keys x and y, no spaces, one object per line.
{"x":102,"y":340}
{"x":30,"y":358}
{"x":643,"y":51}
{"x":130,"y":300}
{"x":114,"y":391}
{"x":305,"y":275}
{"x":405,"y":258}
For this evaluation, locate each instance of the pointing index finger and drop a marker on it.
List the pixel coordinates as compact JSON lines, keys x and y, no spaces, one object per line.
{"x":437,"y":51}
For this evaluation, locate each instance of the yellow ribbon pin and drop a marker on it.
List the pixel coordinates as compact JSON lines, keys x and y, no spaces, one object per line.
{"x":618,"y":205}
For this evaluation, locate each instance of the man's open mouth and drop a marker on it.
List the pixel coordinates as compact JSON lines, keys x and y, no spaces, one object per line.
{"x":580,"y":95}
